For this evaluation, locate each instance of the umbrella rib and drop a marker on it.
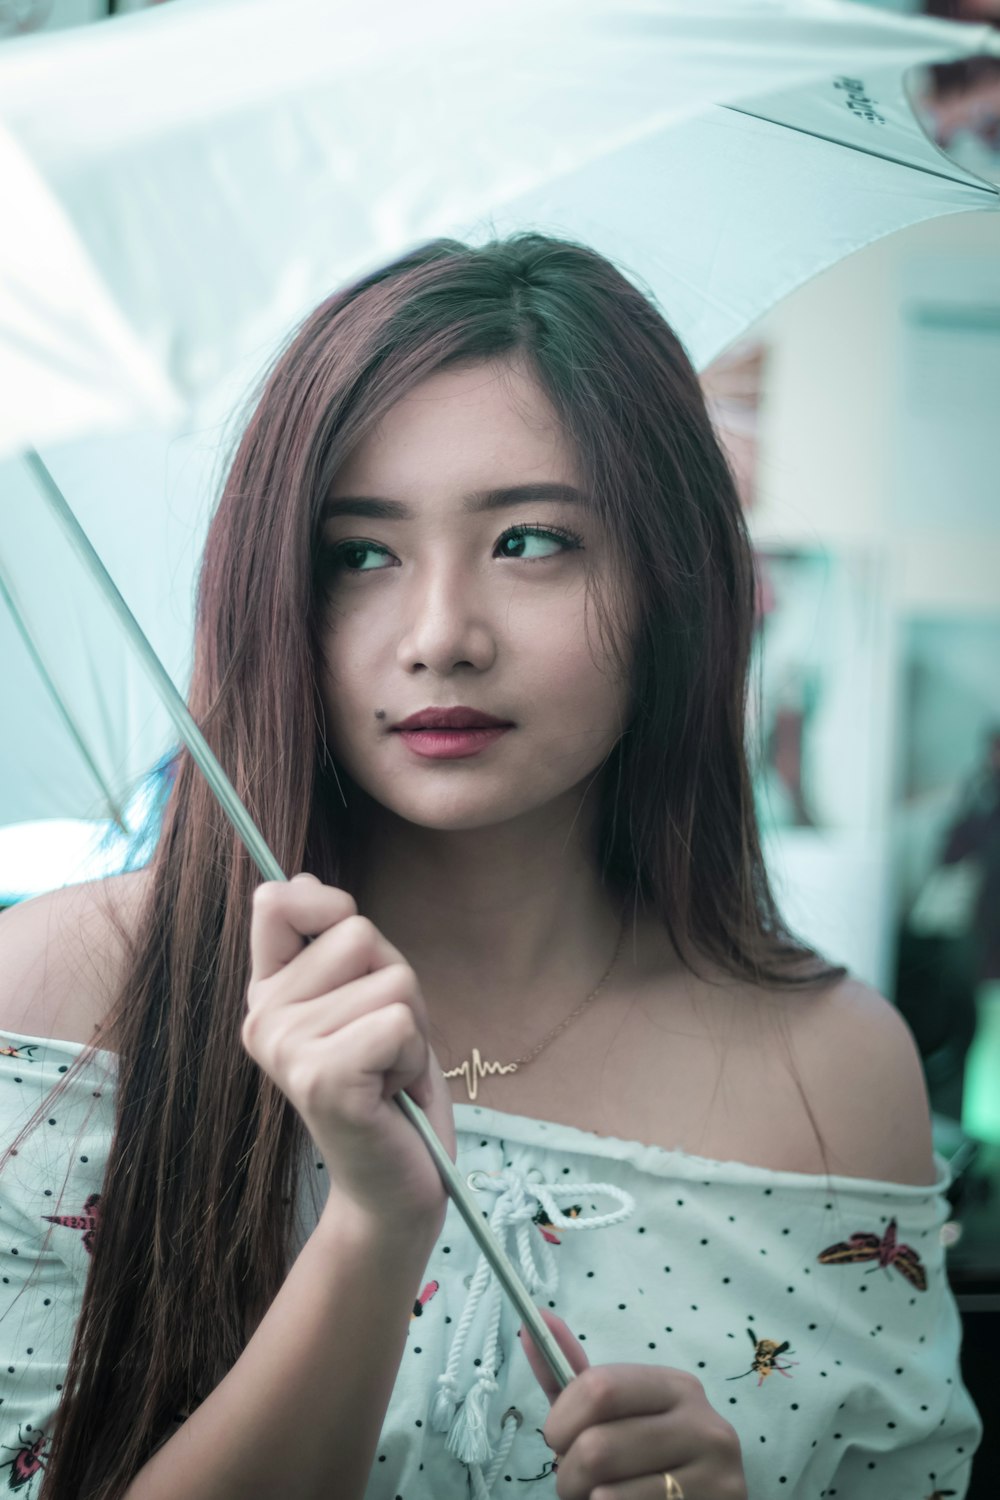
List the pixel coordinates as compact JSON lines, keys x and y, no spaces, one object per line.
{"x":167,"y":692}
{"x":982,"y":183}
{"x":62,"y":708}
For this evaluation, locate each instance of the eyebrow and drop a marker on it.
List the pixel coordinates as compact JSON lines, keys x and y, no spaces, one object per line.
{"x":377,"y":508}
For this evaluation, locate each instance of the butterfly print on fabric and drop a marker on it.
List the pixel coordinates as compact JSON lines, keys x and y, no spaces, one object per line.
{"x":88,"y":1221}
{"x":425,"y":1296}
{"x":865,"y":1246}
{"x":26,"y":1462}
{"x":25,"y":1050}
{"x":765,"y":1359}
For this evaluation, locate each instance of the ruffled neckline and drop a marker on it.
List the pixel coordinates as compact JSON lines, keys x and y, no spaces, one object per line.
{"x":656,"y":1161}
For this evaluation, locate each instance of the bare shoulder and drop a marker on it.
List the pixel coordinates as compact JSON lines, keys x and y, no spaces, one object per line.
{"x":62,"y":957}
{"x":863,"y":1077}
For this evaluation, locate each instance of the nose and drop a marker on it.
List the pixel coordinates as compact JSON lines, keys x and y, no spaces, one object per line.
{"x":445,"y":622}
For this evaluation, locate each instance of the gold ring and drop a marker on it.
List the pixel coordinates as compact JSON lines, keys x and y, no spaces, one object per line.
{"x":674,"y":1491}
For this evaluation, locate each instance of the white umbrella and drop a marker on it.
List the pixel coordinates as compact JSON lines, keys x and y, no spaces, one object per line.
{"x":186,"y":183}
{"x":182,"y":184}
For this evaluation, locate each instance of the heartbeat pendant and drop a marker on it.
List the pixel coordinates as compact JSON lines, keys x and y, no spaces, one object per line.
{"x":474,"y":1068}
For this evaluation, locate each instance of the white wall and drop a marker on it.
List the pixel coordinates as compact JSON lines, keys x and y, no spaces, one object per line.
{"x":867,"y":405}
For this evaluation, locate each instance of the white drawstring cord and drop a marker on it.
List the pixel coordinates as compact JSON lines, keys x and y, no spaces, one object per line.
{"x":518,"y":1197}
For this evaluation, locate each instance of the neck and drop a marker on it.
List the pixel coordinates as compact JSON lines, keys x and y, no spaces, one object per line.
{"x":508,"y":928}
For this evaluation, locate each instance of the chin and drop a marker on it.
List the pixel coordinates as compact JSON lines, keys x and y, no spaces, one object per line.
{"x":456,"y":814}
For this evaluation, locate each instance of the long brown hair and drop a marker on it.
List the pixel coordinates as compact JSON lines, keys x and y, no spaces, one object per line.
{"x":205,"y":1149}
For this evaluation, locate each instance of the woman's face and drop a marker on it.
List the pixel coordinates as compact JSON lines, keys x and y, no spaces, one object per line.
{"x":445,"y":605}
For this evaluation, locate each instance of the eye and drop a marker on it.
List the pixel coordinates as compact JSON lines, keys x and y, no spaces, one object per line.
{"x":569,"y":540}
{"x":347,"y":557}
{"x":340,"y":556}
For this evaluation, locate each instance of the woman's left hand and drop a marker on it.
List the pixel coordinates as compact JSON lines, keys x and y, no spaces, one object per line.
{"x":619,"y":1428}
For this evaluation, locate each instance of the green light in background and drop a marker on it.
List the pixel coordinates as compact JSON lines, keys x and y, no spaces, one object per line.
{"x":981,"y":1089}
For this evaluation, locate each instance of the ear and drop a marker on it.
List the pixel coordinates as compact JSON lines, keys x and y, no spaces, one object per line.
{"x":568,"y":1343}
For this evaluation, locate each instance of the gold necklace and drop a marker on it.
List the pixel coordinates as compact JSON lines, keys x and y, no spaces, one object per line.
{"x":475,"y":1068}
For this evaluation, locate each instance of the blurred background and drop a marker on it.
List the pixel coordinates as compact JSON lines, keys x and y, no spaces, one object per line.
{"x":861,"y":418}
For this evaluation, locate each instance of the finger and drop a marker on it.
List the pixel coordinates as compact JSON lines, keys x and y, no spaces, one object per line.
{"x":650,"y":1487}
{"x":349,"y":1067}
{"x":568,"y":1343}
{"x":612,"y":1393}
{"x":313,"y":1020}
{"x":617,"y":1454}
{"x":287,"y":912}
{"x":348,"y":951}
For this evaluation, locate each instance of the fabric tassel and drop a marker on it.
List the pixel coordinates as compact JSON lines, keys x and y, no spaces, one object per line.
{"x":445,"y":1404}
{"x":468,"y":1438}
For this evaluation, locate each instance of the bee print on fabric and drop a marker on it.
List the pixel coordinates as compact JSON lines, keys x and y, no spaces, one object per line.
{"x":24,"y":1051}
{"x":88,"y":1221}
{"x":27,"y":1460}
{"x":545,"y":1224}
{"x":885,"y":1250}
{"x":765,"y":1359}
{"x":425,"y":1296}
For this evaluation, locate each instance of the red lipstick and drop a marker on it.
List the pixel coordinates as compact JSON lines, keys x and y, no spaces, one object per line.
{"x":451,"y":718}
{"x":450,"y":733}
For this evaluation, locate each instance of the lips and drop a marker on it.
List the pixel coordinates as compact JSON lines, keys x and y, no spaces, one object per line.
{"x":451,"y":718}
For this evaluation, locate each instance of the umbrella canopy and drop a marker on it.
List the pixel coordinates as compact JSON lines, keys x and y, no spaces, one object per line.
{"x":183,"y":184}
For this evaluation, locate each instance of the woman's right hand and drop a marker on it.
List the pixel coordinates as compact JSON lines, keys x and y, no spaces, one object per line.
{"x":340,"y":1025}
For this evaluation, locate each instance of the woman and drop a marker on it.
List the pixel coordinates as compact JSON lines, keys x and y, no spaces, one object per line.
{"x":543,"y":930}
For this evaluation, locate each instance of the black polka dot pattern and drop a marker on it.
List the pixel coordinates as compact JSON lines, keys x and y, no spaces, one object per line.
{"x":838,"y":1371}
{"x":47,"y":1179}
